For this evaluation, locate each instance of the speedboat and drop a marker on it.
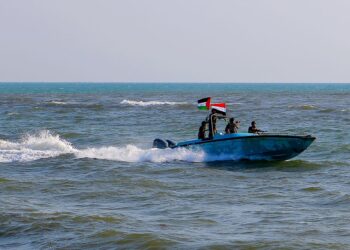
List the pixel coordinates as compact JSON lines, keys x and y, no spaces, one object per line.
{"x":245,"y":146}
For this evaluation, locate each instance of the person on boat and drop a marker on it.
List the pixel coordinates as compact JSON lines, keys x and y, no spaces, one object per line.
{"x":212,"y":123}
{"x":201,"y":131}
{"x":232,"y":126}
{"x":253,"y":129}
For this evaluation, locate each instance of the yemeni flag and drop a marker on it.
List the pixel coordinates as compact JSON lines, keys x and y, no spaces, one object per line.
{"x":204,"y":103}
{"x":219,"y":107}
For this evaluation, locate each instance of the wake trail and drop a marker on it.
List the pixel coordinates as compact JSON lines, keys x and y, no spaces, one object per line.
{"x":47,"y":145}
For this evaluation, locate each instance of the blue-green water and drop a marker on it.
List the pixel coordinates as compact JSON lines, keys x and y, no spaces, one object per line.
{"x":77,"y":169}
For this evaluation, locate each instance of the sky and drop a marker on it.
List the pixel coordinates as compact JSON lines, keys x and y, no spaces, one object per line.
{"x":175,"y":41}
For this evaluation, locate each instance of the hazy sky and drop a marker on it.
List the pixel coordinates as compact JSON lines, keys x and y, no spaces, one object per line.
{"x":175,"y":41}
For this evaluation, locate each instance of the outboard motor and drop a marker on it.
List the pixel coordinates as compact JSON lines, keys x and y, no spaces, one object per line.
{"x":159,"y":143}
{"x":171,"y":144}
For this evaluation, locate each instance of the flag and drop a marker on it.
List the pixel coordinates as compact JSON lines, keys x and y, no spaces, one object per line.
{"x":204,"y":103}
{"x":219,"y":107}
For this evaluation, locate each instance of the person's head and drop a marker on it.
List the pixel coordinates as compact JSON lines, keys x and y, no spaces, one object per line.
{"x":253,"y":123}
{"x":213,"y":111}
{"x":203,"y":123}
{"x":232,"y":120}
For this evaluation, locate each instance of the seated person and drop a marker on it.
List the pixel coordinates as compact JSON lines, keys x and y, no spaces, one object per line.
{"x":232,"y":126}
{"x":201,"y":131}
{"x":253,"y":129}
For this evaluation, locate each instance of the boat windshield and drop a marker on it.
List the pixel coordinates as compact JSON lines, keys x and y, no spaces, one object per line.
{"x":221,"y":124}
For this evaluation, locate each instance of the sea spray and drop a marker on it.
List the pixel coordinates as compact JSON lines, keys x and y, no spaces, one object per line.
{"x":131,"y":153}
{"x":33,"y":147}
{"x":45,"y":140}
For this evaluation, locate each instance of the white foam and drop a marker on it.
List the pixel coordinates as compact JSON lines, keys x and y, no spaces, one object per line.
{"x":58,"y":102}
{"x":45,"y":145}
{"x":34,"y":147}
{"x":131,"y":153}
{"x":150,"y":103}
{"x":12,"y":113}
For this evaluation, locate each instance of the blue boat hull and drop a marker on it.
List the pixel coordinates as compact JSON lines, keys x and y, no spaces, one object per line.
{"x":245,"y":146}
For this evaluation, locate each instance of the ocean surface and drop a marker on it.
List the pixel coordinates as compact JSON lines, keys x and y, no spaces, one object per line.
{"x":77,"y":170}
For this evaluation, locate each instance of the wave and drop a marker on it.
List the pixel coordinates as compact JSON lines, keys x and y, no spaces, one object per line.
{"x":57,"y":102}
{"x":66,"y":104}
{"x":234,"y":103}
{"x":343,"y":199}
{"x":150,"y":103}
{"x":303,"y":107}
{"x":328,"y":110}
{"x":34,"y":147}
{"x":12,"y":113}
{"x":320,"y":109}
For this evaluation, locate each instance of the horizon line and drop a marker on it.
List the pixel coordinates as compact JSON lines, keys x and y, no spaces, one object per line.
{"x":170,"y":82}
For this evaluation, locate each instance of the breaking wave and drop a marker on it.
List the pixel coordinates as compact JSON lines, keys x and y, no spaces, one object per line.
{"x":34,"y":147}
{"x":150,"y":103}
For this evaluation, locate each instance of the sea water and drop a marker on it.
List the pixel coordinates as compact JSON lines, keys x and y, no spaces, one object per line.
{"x":77,"y":170}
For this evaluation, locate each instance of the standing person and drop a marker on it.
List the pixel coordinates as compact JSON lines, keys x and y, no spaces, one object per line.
{"x":253,"y":129}
{"x":232,"y":126}
{"x":201,"y":131}
{"x":212,"y":124}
